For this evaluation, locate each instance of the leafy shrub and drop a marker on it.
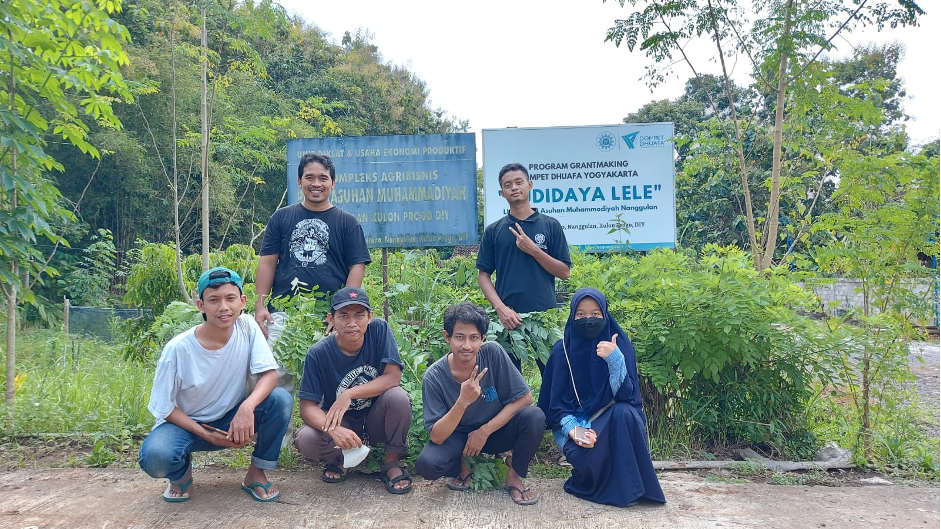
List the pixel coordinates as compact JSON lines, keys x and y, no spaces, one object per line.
{"x":720,"y":346}
{"x":152,"y":283}
{"x":152,"y":280}
{"x":145,"y":338}
{"x":487,"y":472}
{"x":89,"y":281}
{"x":305,"y":327}
{"x":533,"y":338}
{"x":723,"y":354}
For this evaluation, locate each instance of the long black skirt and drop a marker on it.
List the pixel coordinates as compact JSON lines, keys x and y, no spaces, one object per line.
{"x":618,"y":469}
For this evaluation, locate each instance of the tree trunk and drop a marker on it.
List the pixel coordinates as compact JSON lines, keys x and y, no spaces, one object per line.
{"x":739,"y":149}
{"x":176,"y":174}
{"x":204,"y":50}
{"x":770,"y":241}
{"x":864,"y":430}
{"x":10,"y":295}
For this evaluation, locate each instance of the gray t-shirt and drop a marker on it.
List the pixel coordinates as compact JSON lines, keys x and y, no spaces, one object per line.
{"x":500,"y":385}
{"x":206,"y":384}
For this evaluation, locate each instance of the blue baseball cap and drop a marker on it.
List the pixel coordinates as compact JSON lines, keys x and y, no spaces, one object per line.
{"x":219,"y":274}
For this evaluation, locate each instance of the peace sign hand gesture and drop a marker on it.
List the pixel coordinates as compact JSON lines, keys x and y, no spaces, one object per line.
{"x":606,"y":348}
{"x":470,"y":388}
{"x":523,"y":242}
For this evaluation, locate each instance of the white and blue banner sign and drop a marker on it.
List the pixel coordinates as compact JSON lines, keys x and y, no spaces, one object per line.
{"x":406,"y":191}
{"x":592,"y":179}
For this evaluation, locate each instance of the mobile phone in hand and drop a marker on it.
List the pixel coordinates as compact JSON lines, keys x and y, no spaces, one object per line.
{"x":580,"y":434}
{"x":214,"y":429}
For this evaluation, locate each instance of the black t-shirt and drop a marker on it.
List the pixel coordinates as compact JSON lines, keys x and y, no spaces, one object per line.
{"x":328,"y":371}
{"x":315,"y":249}
{"x":500,"y":385}
{"x":522,"y":283}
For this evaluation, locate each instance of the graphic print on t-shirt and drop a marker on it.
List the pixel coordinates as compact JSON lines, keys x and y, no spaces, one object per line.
{"x":310,"y":241}
{"x":357,"y":377}
{"x":540,"y":240}
{"x":489,"y":393}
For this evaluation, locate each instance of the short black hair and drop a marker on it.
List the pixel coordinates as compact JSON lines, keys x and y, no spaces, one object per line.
{"x":512,"y":167}
{"x":466,"y":312}
{"x":322,"y":159}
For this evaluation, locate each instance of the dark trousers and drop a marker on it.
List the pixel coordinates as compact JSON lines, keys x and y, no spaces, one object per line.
{"x":522,"y":434}
{"x":386,"y":422}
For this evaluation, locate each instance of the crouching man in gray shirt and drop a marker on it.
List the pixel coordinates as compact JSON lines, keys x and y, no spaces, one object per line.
{"x":199,"y":398}
{"x":476,"y":401}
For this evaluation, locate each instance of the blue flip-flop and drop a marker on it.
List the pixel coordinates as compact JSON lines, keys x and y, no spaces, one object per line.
{"x":183,"y":487}
{"x":251,"y":490}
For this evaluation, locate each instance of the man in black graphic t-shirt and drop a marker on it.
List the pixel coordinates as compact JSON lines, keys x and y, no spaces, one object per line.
{"x":350,"y":389}
{"x":312,"y":245}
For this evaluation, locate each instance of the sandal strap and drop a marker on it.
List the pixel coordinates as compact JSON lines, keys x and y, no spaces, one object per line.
{"x":400,"y":477}
{"x":183,"y":485}
{"x":511,"y":488}
{"x":264,"y":486}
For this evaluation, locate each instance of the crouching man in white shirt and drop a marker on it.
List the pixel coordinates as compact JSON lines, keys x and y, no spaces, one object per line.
{"x":199,"y":395}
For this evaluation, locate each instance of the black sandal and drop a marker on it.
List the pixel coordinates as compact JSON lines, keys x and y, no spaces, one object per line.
{"x":464,"y":482}
{"x":336,"y":469}
{"x":510,"y":489}
{"x":390,"y":482}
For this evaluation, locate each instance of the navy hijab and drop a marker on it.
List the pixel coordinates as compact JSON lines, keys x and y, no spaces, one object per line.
{"x":590,"y":372}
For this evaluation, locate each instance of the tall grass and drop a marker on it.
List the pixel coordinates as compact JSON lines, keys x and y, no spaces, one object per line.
{"x":77,"y":385}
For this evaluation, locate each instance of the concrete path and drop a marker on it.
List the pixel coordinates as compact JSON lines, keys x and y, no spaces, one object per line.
{"x":127,"y":498}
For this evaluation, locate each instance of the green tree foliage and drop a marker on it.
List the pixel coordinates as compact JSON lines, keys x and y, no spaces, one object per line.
{"x":781,"y":39}
{"x":834,"y":105}
{"x":383,"y":98}
{"x":708,"y":192}
{"x":272,"y":77}
{"x":59,"y":64}
{"x":886,"y":218}
{"x":89,"y":280}
{"x":60,"y":71}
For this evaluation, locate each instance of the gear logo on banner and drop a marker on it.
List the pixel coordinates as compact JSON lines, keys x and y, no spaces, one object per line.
{"x":606,"y":141}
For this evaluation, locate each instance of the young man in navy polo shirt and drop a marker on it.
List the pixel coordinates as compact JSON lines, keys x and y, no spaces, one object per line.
{"x":527,"y":250}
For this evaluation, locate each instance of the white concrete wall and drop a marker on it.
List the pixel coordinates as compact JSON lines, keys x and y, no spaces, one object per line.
{"x":847,"y":294}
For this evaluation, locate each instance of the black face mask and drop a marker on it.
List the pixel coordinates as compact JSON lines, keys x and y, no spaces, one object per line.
{"x":588,"y":328}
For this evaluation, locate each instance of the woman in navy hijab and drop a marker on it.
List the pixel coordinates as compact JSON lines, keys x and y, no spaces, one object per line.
{"x":591,"y":397}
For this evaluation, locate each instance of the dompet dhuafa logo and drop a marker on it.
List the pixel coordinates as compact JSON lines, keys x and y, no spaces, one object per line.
{"x":629,"y":139}
{"x":649,"y":141}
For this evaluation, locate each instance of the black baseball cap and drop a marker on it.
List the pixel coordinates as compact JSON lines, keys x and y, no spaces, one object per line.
{"x":347,"y":296}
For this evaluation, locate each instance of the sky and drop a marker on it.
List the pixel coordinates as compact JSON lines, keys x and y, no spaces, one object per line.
{"x":542,"y":63}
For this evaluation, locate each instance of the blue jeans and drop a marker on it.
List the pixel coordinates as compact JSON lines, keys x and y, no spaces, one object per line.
{"x":166,"y":451}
